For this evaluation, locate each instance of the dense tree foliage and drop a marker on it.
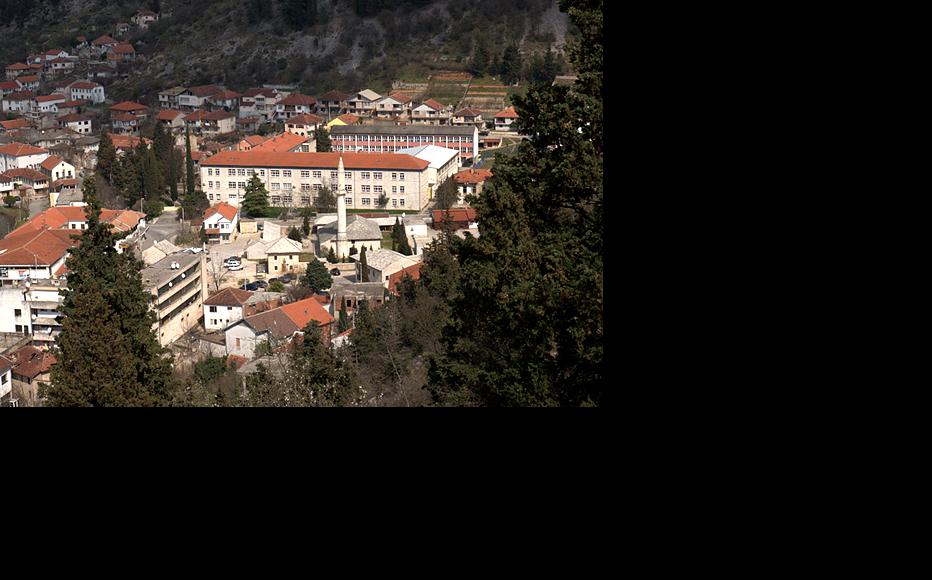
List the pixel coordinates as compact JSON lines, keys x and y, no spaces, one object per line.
{"x":317,"y":278}
{"x":256,"y":199}
{"x":363,"y":265}
{"x":322,"y":137}
{"x":325,"y":200}
{"x":188,"y":164}
{"x":527,"y":295}
{"x":446,"y":194}
{"x":107,"y":353}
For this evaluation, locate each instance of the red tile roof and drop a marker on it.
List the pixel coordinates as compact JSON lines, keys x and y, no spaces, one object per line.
{"x":169,"y":115}
{"x":334,"y":96}
{"x":205,"y":116}
{"x":20,"y":96}
{"x":436,"y":105}
{"x":304,"y":311}
{"x":69,"y":104}
{"x":26,"y":173}
{"x":257,"y":92}
{"x":254,"y":140}
{"x":20,"y":149}
{"x":297,"y":99}
{"x":17,"y":66}
{"x":83,"y":85}
{"x":223,"y":208}
{"x":414,"y":271}
{"x":32,"y":362}
{"x":229,"y":297}
{"x":472,"y":176}
{"x":349,"y":118}
{"x":14,"y":124}
{"x":205,"y":90}
{"x":9,"y":85}
{"x":126,"y":141}
{"x":280,"y":143}
{"x":28,"y":78}
{"x":124,"y":117}
{"x":508,"y":113}
{"x":124,"y":48}
{"x":49,"y":98}
{"x":129,"y":106}
{"x":401,"y":97}
{"x":305,"y":119}
{"x":455,"y":215}
{"x":51,"y":162}
{"x":467,"y":113}
{"x":226,"y":95}
{"x":26,"y":246}
{"x":64,"y":183}
{"x":255,"y":158}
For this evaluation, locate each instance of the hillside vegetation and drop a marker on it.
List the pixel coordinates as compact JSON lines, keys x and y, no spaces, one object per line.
{"x":316,"y":45}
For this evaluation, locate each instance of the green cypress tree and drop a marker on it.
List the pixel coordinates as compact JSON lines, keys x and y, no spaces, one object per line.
{"x":404,"y":247}
{"x":306,"y":225}
{"x":480,"y":59}
{"x":344,"y":319}
{"x":446,"y":195}
{"x":106,"y":158}
{"x":511,"y":341}
{"x":189,"y":163}
{"x":322,"y":137}
{"x":256,"y":199}
{"x":363,"y":265}
{"x":107,"y":353}
{"x":511,"y":64}
{"x":316,"y":278}
{"x":331,"y":256}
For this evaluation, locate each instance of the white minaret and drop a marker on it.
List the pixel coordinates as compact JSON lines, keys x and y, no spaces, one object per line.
{"x":342,"y":244}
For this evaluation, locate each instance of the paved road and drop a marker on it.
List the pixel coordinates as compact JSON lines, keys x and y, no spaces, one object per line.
{"x":164,"y":227}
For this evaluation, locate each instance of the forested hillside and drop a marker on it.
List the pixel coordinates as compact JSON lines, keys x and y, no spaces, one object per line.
{"x":317,"y":45}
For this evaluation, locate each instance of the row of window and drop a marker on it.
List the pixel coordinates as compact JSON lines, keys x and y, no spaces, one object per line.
{"x":404,"y":138}
{"x":376,"y":175}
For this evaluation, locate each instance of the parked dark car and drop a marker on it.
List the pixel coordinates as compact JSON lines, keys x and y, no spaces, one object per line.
{"x":335,"y":272}
{"x":257,"y":285}
{"x":288,"y":278}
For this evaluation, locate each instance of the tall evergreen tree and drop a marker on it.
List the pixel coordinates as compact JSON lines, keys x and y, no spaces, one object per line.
{"x":107,"y":353}
{"x":447,"y":194}
{"x":106,"y":157}
{"x":511,"y":64}
{"x":511,"y":340}
{"x":397,"y":232}
{"x":480,"y":58}
{"x":188,"y":164}
{"x":322,"y":137}
{"x":363,"y":265}
{"x":164,"y":148}
{"x":344,"y":319}
{"x":317,"y":278}
{"x":306,"y":225}
{"x":404,"y":247}
{"x":256,"y":199}
{"x":331,"y":256}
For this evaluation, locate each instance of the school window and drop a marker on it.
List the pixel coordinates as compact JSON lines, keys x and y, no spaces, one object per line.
{"x":378,"y":189}
{"x":241,"y":172}
{"x":210,"y":171}
{"x":231,"y":196}
{"x":401,"y":189}
{"x":242,"y":185}
{"x":276,"y":185}
{"x":394,"y":203}
{"x":305,"y":187}
{"x":377,"y":175}
{"x":349,"y":201}
{"x":213,"y":308}
{"x":305,"y":200}
{"x":394,"y":189}
{"x":17,"y":312}
{"x":274,"y":173}
{"x":305,"y":174}
{"x":317,"y":174}
{"x":316,"y":187}
{"x":394,"y":177}
{"x":333,"y":175}
{"x":348,"y":188}
{"x":231,"y":172}
{"x":250,"y":172}
{"x":365,"y":201}
{"x":366,"y":189}
{"x":402,"y":202}
{"x":286,"y":173}
{"x":365,"y":175}
{"x":348,"y":174}
{"x":262,"y":172}
{"x":231,"y":184}
{"x":401,"y":176}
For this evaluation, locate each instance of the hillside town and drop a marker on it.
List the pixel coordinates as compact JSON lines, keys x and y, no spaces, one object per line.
{"x":265,"y":223}
{"x":236,"y":284}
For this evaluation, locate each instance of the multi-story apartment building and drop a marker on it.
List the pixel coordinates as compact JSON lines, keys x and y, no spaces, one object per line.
{"x":363,"y":102}
{"x":294,"y":179}
{"x":332,"y":104}
{"x":293,"y":105}
{"x":195,"y":98}
{"x":177,"y":285}
{"x":388,"y":138}
{"x":87,"y":91}
{"x":168,"y":99}
{"x":259,"y":103}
